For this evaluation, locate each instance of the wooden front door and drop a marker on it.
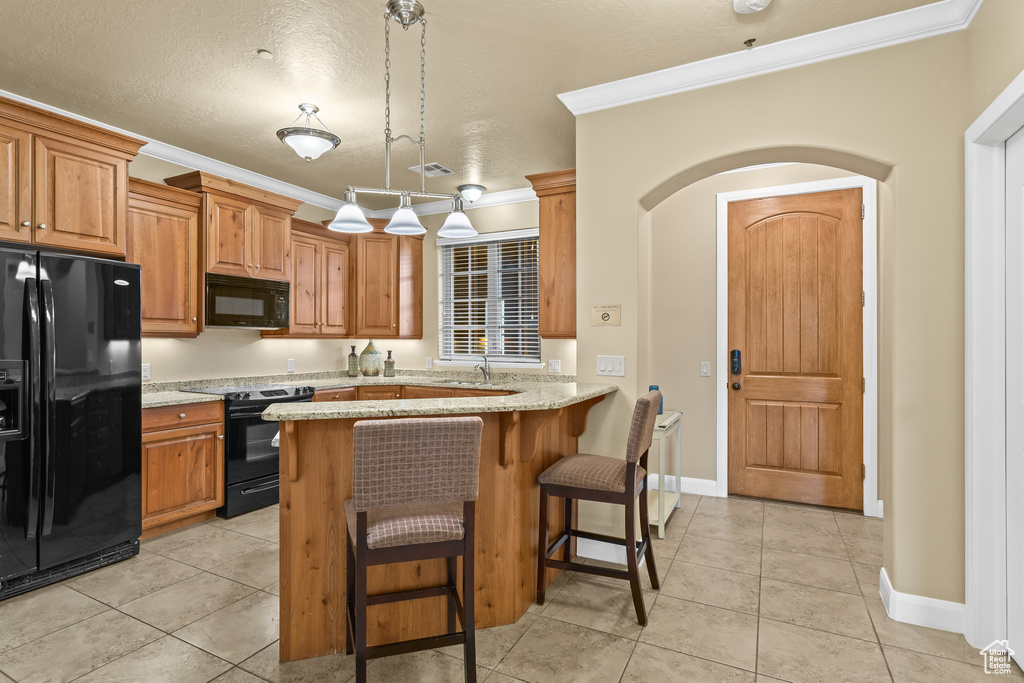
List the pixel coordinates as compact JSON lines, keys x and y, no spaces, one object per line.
{"x":795,"y":316}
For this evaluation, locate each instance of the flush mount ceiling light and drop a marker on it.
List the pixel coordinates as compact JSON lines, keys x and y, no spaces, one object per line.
{"x":307,"y":141}
{"x":471,"y":193}
{"x":749,"y":6}
{"x":405,"y":221}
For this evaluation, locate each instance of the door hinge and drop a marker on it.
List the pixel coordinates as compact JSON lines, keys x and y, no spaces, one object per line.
{"x":863,"y":471}
{"x":863,"y":297}
{"x":863,"y":212}
{"x":862,"y":385}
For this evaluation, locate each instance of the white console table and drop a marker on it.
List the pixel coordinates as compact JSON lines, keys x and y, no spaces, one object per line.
{"x":669,"y":422}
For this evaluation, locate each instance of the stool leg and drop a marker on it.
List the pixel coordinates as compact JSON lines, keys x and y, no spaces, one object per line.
{"x":567,"y":526}
{"x":468,"y":592}
{"x":645,"y":535}
{"x":542,"y":546}
{"x":350,"y":593}
{"x":631,"y":564}
{"x":360,"y":606}
{"x":453,"y":572}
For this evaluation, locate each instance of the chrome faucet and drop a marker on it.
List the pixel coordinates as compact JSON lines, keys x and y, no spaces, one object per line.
{"x":484,"y":369}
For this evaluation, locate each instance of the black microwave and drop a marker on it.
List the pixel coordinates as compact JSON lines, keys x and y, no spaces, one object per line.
{"x":246,"y":302}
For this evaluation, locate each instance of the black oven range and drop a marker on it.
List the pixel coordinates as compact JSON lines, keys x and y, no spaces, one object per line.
{"x":251,"y":471}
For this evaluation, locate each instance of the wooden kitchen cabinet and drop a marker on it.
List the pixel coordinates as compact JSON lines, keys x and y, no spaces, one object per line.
{"x":182,"y":465}
{"x":388,"y":292}
{"x":320,"y":283}
{"x":345,"y":394}
{"x":410,"y":391}
{"x":163,"y":237}
{"x":380,"y":393}
{"x":246,"y":231}
{"x":557,"y":253}
{"x":63,"y":183}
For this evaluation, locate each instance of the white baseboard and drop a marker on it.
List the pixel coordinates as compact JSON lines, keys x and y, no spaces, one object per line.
{"x":920,"y":611}
{"x":879,"y":510}
{"x":697,"y":487}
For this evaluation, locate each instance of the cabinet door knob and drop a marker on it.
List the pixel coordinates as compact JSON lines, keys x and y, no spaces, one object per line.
{"x":194,"y":318}
{"x":257,"y":266}
{"x":182,"y":416}
{"x":221,"y":437}
{"x":26,"y":224}
{"x":250,"y":265}
{"x":42,"y":226}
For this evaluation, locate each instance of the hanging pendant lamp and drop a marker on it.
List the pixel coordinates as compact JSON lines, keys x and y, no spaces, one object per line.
{"x":308,"y":142}
{"x":405,"y":221}
{"x":457,"y":224}
{"x":350,"y":217}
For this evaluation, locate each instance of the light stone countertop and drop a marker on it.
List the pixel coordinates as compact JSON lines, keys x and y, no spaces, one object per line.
{"x":530,"y":395}
{"x":160,"y":399}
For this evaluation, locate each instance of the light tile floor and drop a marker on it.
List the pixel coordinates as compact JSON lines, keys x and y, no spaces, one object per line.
{"x":751,"y":591}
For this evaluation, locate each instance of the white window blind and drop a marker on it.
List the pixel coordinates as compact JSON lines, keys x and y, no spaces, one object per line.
{"x":489,"y":298}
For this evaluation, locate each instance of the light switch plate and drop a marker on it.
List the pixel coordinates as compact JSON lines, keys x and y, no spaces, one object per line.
{"x":291,"y":365}
{"x":612,"y":366}
{"x":430,"y":363}
{"x":554,"y":365}
{"x":705,"y":368}
{"x":145,"y":371}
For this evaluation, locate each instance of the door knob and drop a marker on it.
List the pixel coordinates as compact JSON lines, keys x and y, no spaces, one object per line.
{"x":26,"y":224}
{"x":42,"y":226}
{"x":182,"y":416}
{"x":735,"y":386}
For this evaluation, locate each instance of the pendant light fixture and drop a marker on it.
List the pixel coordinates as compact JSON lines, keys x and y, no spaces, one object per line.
{"x":457,"y":224}
{"x":404,"y":222}
{"x":308,"y":142}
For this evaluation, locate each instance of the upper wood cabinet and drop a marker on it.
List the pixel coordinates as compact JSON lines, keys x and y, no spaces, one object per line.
{"x":63,"y":183}
{"x":246,"y":230}
{"x":557,"y":253}
{"x":388,"y":293}
{"x":163,"y":236}
{"x":321,"y":283}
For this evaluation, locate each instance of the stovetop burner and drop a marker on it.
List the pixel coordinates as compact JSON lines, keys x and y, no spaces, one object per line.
{"x":256,"y":392}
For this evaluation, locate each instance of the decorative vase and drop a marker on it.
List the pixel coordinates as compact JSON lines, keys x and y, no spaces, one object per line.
{"x":389,"y":365}
{"x":661,"y":404}
{"x":370,"y":362}
{"x":353,"y":363}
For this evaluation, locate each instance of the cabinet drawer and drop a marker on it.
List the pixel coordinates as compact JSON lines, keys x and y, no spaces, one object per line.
{"x":170,"y":417}
{"x":379,"y":393}
{"x":346,"y":394}
{"x":412,"y":391}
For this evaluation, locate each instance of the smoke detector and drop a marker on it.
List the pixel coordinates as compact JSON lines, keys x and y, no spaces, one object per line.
{"x":749,"y":6}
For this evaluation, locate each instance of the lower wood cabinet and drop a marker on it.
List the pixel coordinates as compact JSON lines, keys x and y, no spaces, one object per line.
{"x":411,"y":391}
{"x":380,"y":393}
{"x":346,"y":394}
{"x":182,"y":465}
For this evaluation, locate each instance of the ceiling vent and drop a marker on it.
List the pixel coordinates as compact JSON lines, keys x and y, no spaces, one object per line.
{"x":433,"y":170}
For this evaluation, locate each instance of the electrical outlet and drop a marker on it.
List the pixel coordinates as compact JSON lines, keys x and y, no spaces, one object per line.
{"x":430,"y":363}
{"x":554,"y":365}
{"x":291,"y":365}
{"x":613,"y":366}
{"x":705,"y":368}
{"x":145,"y":371}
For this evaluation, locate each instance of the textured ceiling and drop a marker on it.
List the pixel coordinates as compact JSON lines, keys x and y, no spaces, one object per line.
{"x":186,"y":73}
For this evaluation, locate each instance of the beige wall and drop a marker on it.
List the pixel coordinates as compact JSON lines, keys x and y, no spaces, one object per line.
{"x":995,"y":52}
{"x":232,"y":353}
{"x":900,"y":108}
{"x":683,"y":285}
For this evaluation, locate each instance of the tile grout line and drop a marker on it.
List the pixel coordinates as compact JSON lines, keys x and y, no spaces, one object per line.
{"x":874,"y":629}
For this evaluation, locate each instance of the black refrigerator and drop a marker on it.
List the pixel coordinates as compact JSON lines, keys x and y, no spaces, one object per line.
{"x":70,"y":416}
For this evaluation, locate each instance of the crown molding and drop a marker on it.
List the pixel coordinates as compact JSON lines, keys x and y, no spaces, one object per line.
{"x":927,"y":21}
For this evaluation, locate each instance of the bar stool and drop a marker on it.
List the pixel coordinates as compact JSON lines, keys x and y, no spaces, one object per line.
{"x":414,"y":490}
{"x":606,"y":480}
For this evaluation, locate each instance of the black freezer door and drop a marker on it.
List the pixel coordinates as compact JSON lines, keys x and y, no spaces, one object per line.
{"x":20,"y":431}
{"x":92,"y":393}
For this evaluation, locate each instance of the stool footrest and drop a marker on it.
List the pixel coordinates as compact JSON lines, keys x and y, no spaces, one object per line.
{"x":417,"y":594}
{"x":428,"y":643}
{"x":589,"y":569}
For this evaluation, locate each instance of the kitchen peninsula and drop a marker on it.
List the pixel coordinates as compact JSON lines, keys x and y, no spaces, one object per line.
{"x":525,"y":431}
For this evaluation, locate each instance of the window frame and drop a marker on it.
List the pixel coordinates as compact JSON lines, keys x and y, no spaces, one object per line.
{"x":485,"y":238}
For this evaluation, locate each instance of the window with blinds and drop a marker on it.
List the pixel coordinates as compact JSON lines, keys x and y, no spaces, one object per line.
{"x":489,"y":298}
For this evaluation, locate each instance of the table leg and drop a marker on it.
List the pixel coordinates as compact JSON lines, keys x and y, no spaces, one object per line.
{"x":679,"y":462}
